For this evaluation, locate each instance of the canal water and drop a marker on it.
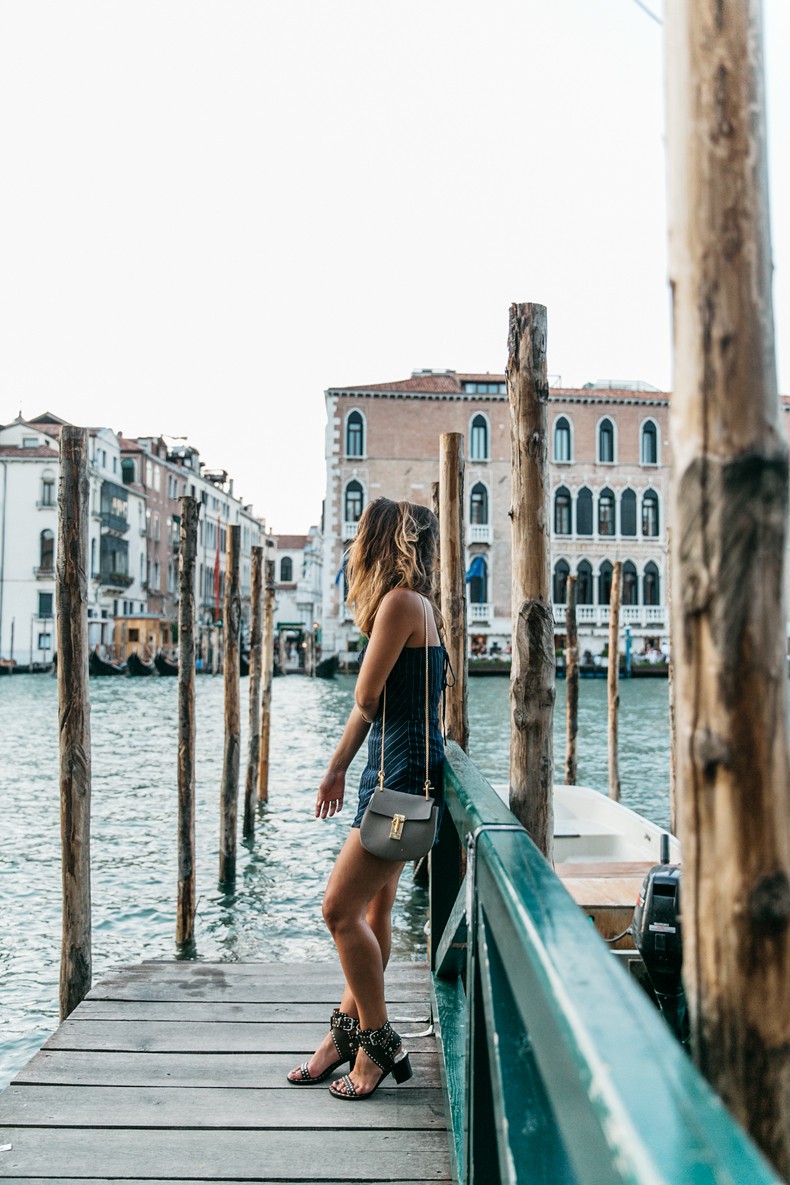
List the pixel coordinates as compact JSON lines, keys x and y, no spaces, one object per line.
{"x":275,"y":911}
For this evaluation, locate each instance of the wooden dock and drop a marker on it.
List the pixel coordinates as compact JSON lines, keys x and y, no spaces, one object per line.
{"x":175,"y":1071}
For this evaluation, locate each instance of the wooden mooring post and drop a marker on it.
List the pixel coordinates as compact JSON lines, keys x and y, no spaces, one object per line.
{"x":613,"y":679}
{"x":453,"y":579}
{"x":532,"y":676}
{"x":71,"y":591}
{"x":256,"y":671}
{"x":268,"y":674}
{"x":185,"y":906}
{"x":571,"y":680}
{"x":729,"y":522}
{"x":230,"y":768}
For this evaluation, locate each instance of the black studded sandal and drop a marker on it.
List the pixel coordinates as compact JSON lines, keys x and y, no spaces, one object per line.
{"x":344,"y":1030}
{"x":383,"y":1046}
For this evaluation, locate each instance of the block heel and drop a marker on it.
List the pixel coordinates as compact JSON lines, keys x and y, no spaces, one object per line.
{"x":402,"y":1071}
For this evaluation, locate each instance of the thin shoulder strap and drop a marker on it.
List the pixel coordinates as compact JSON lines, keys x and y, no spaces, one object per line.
{"x":427,"y":786}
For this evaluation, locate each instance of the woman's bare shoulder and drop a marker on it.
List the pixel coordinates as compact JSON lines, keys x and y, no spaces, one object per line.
{"x":400,"y":602}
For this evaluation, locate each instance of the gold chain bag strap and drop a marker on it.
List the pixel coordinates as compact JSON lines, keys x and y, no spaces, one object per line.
{"x":398,"y":825}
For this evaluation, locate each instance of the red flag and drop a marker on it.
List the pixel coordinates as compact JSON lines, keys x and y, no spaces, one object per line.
{"x":217,"y":581}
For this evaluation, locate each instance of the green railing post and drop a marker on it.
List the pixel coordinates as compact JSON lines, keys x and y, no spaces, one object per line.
{"x":446,"y":876}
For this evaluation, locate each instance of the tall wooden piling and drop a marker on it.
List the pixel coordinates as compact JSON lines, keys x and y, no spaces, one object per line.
{"x":268,"y":674}
{"x":256,"y":671}
{"x":532,"y":675}
{"x":185,"y":907}
{"x":571,"y":680}
{"x":613,"y":679}
{"x":729,"y":516}
{"x":230,"y":768}
{"x":71,"y":592}
{"x":453,"y":579}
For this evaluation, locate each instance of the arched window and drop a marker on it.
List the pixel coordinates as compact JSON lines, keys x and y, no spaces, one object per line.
{"x":584,"y":585}
{"x":630,"y":584}
{"x":562,"y":439}
{"x":353,"y":502}
{"x":649,"y":443}
{"x":478,"y":442}
{"x":48,"y":488}
{"x":650,"y":513}
{"x":651,"y":587}
{"x":606,"y":442}
{"x":286,"y":570}
{"x":128,"y":471}
{"x":628,"y":513}
{"x":355,"y":435}
{"x":478,"y":505}
{"x":47,"y":551}
{"x":606,"y":523}
{"x":604,"y":583}
{"x":584,"y":512}
{"x":562,"y":511}
{"x":561,"y":573}
{"x":478,"y":581}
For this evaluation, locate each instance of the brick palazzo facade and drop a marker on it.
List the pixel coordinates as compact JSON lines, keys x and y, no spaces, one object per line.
{"x":609,"y":475}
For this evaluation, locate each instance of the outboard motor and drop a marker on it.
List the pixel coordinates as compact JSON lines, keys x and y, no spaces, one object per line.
{"x":656,"y":931}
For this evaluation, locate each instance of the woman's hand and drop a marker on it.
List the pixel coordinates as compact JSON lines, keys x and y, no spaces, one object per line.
{"x":330,"y":794}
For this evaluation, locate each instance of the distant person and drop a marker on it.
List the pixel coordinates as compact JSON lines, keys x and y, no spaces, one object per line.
{"x":391,"y":571}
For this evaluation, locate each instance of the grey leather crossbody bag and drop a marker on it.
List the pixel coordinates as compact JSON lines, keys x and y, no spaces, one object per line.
{"x":397,"y":825}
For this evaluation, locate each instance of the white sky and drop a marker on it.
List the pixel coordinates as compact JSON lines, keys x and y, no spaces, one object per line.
{"x":212,"y":211}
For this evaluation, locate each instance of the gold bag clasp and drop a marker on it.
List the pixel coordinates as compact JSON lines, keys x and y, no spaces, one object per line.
{"x":396,"y":830}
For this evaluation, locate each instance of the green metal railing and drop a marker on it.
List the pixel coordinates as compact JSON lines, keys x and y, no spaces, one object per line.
{"x":556,"y":1068}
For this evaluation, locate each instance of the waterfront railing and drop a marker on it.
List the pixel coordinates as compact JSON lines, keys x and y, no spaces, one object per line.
{"x":556,"y":1067}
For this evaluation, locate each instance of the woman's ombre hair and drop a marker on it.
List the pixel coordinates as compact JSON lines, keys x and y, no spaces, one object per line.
{"x":396,"y":546}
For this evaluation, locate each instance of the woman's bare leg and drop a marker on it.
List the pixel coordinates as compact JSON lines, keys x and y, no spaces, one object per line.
{"x":357,"y":905}
{"x":379,"y":918}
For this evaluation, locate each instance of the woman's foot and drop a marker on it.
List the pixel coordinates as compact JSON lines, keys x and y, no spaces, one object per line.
{"x":338,"y":1047}
{"x":365,"y":1077}
{"x":380,"y":1053}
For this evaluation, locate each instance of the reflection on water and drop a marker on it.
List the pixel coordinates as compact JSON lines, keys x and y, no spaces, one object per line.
{"x":274,"y":911}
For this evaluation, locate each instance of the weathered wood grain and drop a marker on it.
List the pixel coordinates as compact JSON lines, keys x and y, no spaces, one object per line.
{"x":728,"y":507}
{"x":176,"y":1011}
{"x":202,"y":1156}
{"x":229,"y":791}
{"x":256,"y":1070}
{"x":532,"y":673}
{"x":149,"y":1092}
{"x":452,"y":578}
{"x":71,"y":607}
{"x":571,"y":680}
{"x":256,"y":675}
{"x":185,"y":905}
{"x":193,"y":1037}
{"x":228,"y":1107}
{"x":613,"y":679}
{"x":268,"y":673}
{"x":158,"y":1181}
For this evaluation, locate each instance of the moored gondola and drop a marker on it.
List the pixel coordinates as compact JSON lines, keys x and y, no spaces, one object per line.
{"x":164,"y":665}
{"x":327,"y":668}
{"x":138,"y":666}
{"x":99,"y":666}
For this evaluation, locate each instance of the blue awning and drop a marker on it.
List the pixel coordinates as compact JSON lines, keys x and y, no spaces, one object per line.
{"x":476,"y":568}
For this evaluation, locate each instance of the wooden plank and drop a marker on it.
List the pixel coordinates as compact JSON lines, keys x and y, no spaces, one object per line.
{"x":608,"y":891}
{"x":158,"y":1181}
{"x":573,"y":870}
{"x":409,"y":1015}
{"x":252,"y":983}
{"x":203,"y":1156}
{"x":224,"y":1108}
{"x":195,"y":1037}
{"x":267,"y":1071}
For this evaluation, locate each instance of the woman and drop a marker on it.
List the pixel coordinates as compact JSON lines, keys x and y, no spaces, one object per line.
{"x":391,"y":569}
